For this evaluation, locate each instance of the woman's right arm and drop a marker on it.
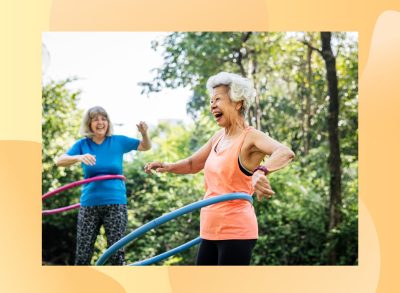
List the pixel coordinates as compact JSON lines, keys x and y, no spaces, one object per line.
{"x":67,"y":160}
{"x":191,"y":165}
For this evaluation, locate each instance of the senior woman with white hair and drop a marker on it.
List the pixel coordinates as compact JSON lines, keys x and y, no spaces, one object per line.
{"x":231,"y":161}
{"x":100,"y":152}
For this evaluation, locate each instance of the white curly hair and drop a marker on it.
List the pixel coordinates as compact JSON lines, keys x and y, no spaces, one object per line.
{"x":240,"y":88}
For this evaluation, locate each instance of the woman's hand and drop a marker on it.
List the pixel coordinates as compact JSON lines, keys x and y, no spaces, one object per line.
{"x":87,"y":159}
{"x":145,"y":143}
{"x":157,"y":166}
{"x":66,"y":160}
{"x":142,"y":127}
{"x":261,"y":185}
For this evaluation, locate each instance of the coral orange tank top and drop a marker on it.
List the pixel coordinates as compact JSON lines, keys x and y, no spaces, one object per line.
{"x":234,"y":219}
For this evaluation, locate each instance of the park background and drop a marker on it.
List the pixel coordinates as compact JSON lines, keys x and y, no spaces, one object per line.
{"x":312,"y":219}
{"x":377,"y":24}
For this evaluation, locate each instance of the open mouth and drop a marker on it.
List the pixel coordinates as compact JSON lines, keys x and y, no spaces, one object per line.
{"x":217,"y":115}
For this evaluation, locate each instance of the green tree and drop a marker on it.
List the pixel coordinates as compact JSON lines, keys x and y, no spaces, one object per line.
{"x":60,"y":124}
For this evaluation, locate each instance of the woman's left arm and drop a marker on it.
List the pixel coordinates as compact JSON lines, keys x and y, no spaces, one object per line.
{"x":279,"y":157}
{"x":145,"y":143}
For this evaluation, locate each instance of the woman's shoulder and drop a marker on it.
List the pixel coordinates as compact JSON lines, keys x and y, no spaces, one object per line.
{"x":254,"y":131}
{"x":119,"y":137}
{"x":80,"y":144}
{"x":216,"y":136}
{"x":255,"y":134}
{"x":82,"y":140}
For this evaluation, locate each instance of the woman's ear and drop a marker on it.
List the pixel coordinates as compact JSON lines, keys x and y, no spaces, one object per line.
{"x":239,"y":105}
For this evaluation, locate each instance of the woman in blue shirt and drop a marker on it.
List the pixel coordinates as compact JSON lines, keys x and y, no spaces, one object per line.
{"x":102,"y":202}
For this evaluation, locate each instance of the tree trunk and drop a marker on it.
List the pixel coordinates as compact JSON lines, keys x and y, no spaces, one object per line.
{"x":307,"y":118}
{"x":252,"y":74}
{"x":334,"y":154}
{"x":252,"y":70}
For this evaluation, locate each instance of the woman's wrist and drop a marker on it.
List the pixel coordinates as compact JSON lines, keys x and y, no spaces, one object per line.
{"x":144,"y":133}
{"x":167,"y":166}
{"x":263,"y":169}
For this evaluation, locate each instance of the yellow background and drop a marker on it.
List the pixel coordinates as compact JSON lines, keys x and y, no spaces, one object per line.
{"x":21,"y":25}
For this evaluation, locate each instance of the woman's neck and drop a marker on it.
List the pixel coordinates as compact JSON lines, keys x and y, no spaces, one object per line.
{"x":98,"y":139}
{"x":236,"y":127}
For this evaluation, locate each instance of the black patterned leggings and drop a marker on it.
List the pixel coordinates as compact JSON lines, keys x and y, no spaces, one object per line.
{"x":114,"y":217}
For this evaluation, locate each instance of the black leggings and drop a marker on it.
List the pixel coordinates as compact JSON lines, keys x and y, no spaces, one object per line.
{"x":225,"y":252}
{"x":114,"y":218}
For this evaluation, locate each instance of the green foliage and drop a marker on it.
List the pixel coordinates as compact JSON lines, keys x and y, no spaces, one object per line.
{"x":190,"y":58}
{"x":60,"y":124}
{"x":292,"y":224}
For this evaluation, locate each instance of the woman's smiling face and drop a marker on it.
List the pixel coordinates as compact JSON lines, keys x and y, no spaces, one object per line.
{"x":99,"y":125}
{"x":222,"y":107}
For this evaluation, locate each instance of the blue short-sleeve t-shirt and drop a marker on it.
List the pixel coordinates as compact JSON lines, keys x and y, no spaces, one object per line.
{"x":109,"y":161}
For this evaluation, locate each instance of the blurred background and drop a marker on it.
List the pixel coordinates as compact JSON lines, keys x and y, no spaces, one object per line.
{"x":307,"y":86}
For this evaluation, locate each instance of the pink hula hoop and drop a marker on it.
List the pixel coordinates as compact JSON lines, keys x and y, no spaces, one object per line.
{"x":72,"y":185}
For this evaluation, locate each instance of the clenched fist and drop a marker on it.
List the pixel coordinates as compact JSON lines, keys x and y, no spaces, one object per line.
{"x":261,"y":185}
